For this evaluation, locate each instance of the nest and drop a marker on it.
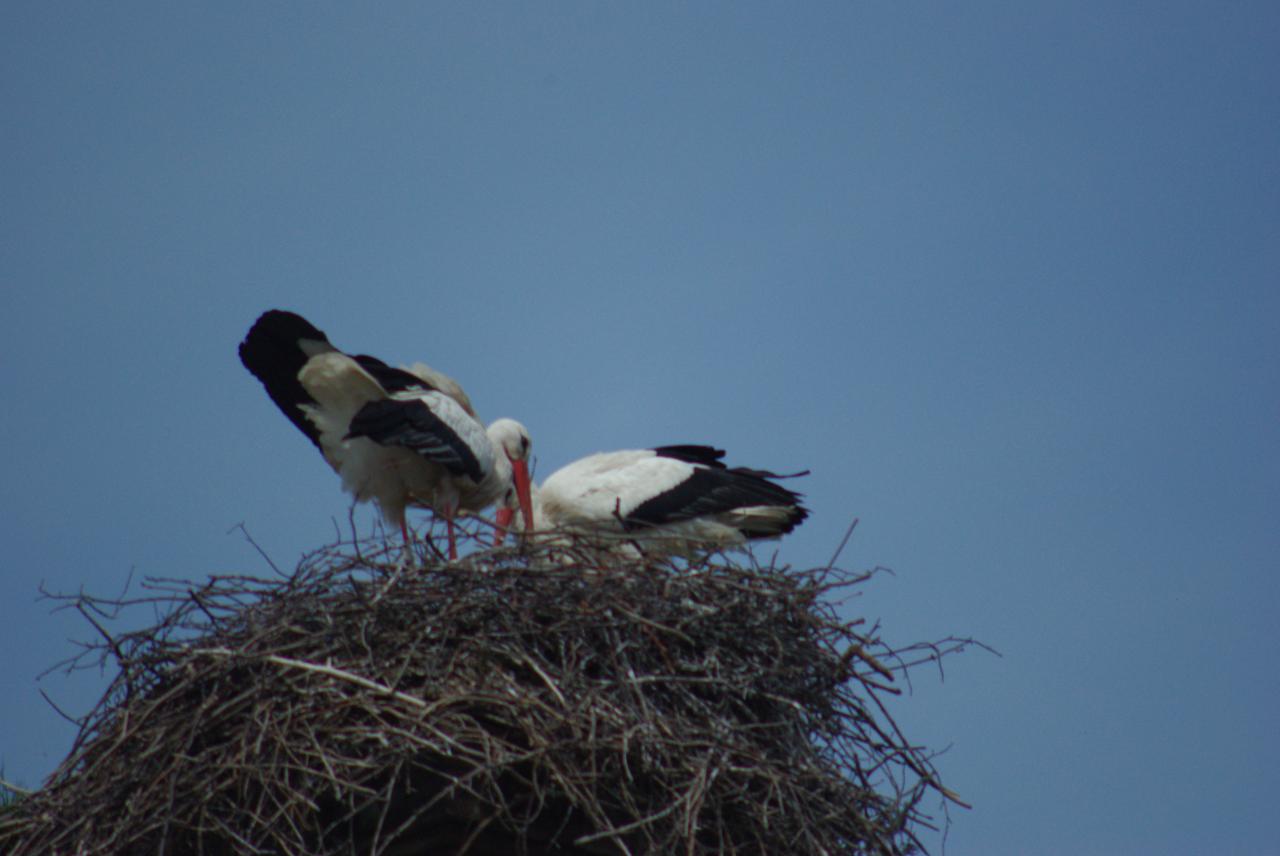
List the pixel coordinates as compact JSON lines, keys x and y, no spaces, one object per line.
{"x":520,"y":701}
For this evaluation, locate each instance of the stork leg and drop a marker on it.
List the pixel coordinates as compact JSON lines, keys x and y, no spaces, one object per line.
{"x":406,"y":554}
{"x":453,"y":544}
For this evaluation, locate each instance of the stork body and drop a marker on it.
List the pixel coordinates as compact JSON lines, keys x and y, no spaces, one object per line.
{"x":667,"y":500}
{"x":396,"y":436}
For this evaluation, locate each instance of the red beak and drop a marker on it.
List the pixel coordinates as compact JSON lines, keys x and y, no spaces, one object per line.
{"x":524,"y":493}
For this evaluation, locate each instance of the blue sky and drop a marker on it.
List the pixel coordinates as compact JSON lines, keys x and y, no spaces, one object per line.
{"x":1004,"y":276}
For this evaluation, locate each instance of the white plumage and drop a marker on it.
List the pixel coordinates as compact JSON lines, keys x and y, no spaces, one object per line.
{"x":398,"y":437}
{"x":666,"y":500}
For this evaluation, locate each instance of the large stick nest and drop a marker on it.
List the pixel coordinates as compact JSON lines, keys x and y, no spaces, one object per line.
{"x":544,"y":700}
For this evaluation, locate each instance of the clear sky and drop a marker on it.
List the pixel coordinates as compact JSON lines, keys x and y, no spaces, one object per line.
{"x":1004,"y":276}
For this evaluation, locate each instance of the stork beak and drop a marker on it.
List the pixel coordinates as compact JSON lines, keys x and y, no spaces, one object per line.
{"x":501,"y":523}
{"x":524,"y":493}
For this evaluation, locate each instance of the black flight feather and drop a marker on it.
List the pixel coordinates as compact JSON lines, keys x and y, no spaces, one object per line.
{"x":714,"y":489}
{"x":391,"y":379}
{"x":272,"y":351}
{"x":707,"y":456}
{"x":412,"y":425}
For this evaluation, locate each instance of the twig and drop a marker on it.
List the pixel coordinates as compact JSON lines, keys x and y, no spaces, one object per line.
{"x":261,"y":552}
{"x":848,"y":533}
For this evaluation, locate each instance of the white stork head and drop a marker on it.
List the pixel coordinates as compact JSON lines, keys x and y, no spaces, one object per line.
{"x":513,"y":439}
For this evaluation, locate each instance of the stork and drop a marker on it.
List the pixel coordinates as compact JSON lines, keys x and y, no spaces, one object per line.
{"x":668,"y":500}
{"x":397,"y":436}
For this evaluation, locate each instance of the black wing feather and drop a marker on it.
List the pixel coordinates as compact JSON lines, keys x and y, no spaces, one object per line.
{"x":715,"y":490}
{"x":412,"y":425}
{"x":391,"y":379}
{"x":272,"y":352}
{"x":707,"y":456}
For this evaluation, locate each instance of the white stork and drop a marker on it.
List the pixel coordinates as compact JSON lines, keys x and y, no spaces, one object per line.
{"x":396,"y":436}
{"x":668,"y":500}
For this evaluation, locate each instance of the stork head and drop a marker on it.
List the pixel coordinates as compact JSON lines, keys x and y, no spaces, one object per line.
{"x":513,"y":439}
